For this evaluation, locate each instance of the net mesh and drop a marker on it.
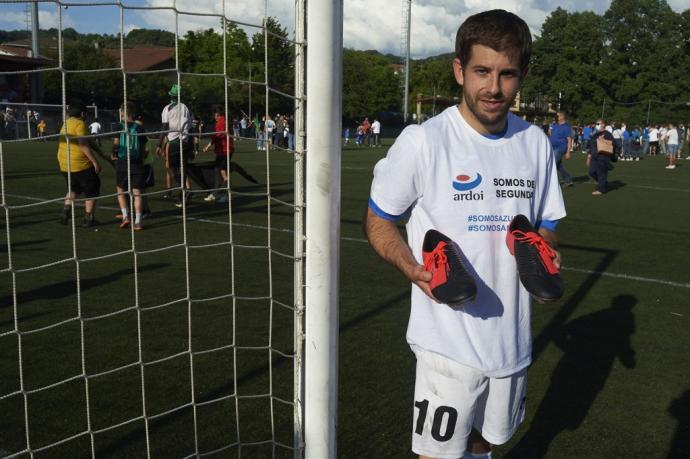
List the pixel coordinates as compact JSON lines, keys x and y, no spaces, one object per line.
{"x":183,"y":339}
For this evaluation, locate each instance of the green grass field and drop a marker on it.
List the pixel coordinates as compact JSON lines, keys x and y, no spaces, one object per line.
{"x":610,"y":376}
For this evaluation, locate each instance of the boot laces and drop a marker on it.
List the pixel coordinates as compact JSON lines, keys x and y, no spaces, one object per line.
{"x":546,"y":253}
{"x":437,"y":258}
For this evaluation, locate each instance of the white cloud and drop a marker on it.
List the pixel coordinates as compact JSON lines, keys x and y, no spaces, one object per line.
{"x":374,"y":24}
{"x":46,"y":19}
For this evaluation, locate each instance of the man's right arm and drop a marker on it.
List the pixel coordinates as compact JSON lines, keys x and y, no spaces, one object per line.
{"x":387,"y":242}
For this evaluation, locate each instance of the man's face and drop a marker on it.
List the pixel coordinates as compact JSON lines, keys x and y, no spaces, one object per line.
{"x":490,"y":81}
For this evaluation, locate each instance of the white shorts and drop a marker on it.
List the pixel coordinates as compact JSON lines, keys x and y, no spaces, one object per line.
{"x":450,"y":399}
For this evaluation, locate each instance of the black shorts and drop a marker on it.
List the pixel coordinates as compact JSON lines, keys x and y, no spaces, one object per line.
{"x":173,"y":152}
{"x":149,"y":176}
{"x":136,"y":172}
{"x":221,"y":162}
{"x":86,"y":182}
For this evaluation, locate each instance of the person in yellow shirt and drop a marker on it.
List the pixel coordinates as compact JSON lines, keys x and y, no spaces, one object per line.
{"x":79,"y":166}
{"x":41,"y":128}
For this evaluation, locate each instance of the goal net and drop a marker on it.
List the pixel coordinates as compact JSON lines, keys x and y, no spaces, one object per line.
{"x":183,"y":339}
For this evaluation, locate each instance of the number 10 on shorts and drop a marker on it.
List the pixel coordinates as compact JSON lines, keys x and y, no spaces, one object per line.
{"x":442,"y":415}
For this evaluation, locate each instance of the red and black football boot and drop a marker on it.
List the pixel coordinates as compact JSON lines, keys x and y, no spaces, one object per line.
{"x":450,"y":282}
{"x":534,"y":258}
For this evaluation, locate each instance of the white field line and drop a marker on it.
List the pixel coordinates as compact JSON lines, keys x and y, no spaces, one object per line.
{"x":659,"y":188}
{"x":364,"y":241}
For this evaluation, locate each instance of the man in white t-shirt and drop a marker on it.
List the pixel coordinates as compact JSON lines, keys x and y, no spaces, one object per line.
{"x":466,"y":173}
{"x":376,"y":130}
{"x":671,"y":139}
{"x":653,"y":140}
{"x":176,"y":119}
{"x":95,"y":129}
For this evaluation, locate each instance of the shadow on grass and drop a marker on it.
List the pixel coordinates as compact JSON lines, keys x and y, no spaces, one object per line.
{"x":591,"y":344}
{"x":276,"y":362}
{"x":68,"y":288}
{"x":680,"y":445}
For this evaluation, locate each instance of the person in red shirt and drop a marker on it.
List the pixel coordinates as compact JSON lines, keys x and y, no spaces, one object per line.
{"x":224,"y":148}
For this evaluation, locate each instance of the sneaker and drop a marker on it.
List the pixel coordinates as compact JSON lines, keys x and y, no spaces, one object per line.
{"x":671,"y":166}
{"x":569,"y":184}
{"x":223,"y":199}
{"x":125,"y":223}
{"x":450,"y":282}
{"x":138,"y":227}
{"x":146,"y":214}
{"x":167,"y":195}
{"x":597,"y":193}
{"x":89,"y":221}
{"x":65,"y":215}
{"x":534,"y":258}
{"x":210,"y":198}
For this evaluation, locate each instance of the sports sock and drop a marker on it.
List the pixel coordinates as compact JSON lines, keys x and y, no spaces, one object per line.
{"x":124,"y":213}
{"x":137,"y":219}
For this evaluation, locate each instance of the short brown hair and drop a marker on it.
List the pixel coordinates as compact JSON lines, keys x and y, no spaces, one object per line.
{"x":499,"y":30}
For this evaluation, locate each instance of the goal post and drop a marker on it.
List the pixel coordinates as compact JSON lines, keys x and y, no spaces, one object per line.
{"x":324,"y":103}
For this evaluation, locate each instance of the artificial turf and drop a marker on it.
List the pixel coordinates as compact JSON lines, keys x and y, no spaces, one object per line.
{"x":610,"y":376}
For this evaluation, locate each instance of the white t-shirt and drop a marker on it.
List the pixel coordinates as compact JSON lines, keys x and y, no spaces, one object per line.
{"x":95,"y":127}
{"x":469,"y":187}
{"x":654,"y":135}
{"x":178,"y":118}
{"x":672,"y":137}
{"x":376,"y":127}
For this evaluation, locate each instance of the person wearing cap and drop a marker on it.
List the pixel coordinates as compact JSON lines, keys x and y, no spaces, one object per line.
{"x":176,"y":120}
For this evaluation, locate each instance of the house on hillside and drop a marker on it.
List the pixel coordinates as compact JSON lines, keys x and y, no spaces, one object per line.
{"x":143,"y":58}
{"x":16,"y":57}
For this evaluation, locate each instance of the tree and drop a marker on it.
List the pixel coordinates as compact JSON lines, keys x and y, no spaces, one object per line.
{"x":369,"y":85}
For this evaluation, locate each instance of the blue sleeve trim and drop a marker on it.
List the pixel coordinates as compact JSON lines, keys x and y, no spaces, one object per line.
{"x":548,"y":224}
{"x":380,"y":213}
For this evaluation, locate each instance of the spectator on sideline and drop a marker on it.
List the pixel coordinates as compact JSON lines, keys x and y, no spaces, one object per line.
{"x":243,"y":126}
{"x":586,"y":137}
{"x":95,"y":128}
{"x":671,"y":140}
{"x":653,"y":141}
{"x":82,"y":169}
{"x":291,"y":132}
{"x":376,"y":131}
{"x":223,"y":148}
{"x":662,"y":139}
{"x":366,"y":131}
{"x":40,"y":129}
{"x":270,"y":127}
{"x":617,"y":139}
{"x":128,"y":153}
{"x":645,"y":141}
{"x":346,"y":135}
{"x":636,"y":143}
{"x":599,"y":162}
{"x":471,"y":360}
{"x":235,"y":127}
{"x":560,"y":136}
{"x":175,"y":118}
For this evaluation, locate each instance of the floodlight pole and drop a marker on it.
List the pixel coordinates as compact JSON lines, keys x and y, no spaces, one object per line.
{"x":407,"y":61}
{"x":35,"y":78}
{"x":324,"y":104}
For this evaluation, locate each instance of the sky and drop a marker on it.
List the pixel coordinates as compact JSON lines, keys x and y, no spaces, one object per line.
{"x":368,"y":24}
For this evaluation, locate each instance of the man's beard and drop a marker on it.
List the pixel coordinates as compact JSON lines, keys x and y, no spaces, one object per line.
{"x":487,"y":118}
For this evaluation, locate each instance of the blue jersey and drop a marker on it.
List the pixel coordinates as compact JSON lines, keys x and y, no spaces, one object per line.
{"x":559,"y":135}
